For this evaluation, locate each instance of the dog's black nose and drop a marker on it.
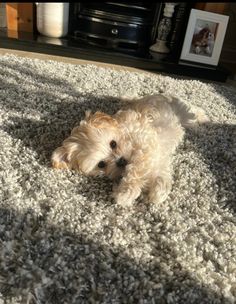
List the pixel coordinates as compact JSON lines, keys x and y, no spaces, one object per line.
{"x":122,"y":162}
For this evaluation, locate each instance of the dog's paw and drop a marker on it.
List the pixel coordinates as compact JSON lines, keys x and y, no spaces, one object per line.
{"x":197,"y":50}
{"x":123,"y":199}
{"x":160,"y":190}
{"x":207,"y":50}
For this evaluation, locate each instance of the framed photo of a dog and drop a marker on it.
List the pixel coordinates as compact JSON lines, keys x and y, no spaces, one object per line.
{"x":204,"y":37}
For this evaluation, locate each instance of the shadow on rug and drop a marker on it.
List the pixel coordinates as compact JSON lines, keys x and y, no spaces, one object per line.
{"x":45,"y":264}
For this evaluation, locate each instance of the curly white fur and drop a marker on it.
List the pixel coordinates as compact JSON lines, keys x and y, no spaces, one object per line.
{"x":145,"y":133}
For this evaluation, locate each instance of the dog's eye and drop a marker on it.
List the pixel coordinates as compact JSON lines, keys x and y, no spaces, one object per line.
{"x":101,"y":164}
{"x":113,"y":144}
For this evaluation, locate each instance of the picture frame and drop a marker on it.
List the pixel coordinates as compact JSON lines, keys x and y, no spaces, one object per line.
{"x":204,"y":37}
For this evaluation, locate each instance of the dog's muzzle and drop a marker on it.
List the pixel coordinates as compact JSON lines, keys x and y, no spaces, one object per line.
{"x":121,"y":163}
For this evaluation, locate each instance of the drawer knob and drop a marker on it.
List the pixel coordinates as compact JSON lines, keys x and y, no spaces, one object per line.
{"x":114,"y":31}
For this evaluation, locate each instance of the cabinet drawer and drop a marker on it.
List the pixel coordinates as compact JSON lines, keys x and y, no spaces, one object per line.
{"x":112,"y":30}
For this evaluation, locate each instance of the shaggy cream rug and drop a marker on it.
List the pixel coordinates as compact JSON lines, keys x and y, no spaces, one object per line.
{"x":63,"y":239}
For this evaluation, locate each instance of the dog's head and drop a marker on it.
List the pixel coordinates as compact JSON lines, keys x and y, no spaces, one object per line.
{"x":98,"y":146}
{"x":211,"y":36}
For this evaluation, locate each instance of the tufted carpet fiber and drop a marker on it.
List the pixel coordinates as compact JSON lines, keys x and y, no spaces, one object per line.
{"x":63,"y":239}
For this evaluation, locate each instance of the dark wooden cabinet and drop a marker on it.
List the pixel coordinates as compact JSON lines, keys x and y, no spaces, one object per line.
{"x":214,"y":7}
{"x":21,"y":34}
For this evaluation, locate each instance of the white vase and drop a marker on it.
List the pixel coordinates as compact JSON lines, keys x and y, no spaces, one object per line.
{"x":52,"y":19}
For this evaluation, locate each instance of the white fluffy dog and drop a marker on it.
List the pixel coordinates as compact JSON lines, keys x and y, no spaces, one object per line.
{"x":134,"y":147}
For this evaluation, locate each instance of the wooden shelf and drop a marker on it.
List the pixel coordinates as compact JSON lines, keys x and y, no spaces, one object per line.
{"x":69,"y":47}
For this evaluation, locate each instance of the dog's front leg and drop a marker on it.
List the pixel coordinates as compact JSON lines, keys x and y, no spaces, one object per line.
{"x":130,"y":186}
{"x":160,"y":188}
{"x":126,"y":193}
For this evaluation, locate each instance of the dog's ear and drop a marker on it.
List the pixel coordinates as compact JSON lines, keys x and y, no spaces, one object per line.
{"x":86,"y":118}
{"x":60,"y":158}
{"x":102,"y":120}
{"x":88,"y":113}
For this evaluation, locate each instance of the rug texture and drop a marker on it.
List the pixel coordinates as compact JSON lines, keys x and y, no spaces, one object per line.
{"x":62,"y":237}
